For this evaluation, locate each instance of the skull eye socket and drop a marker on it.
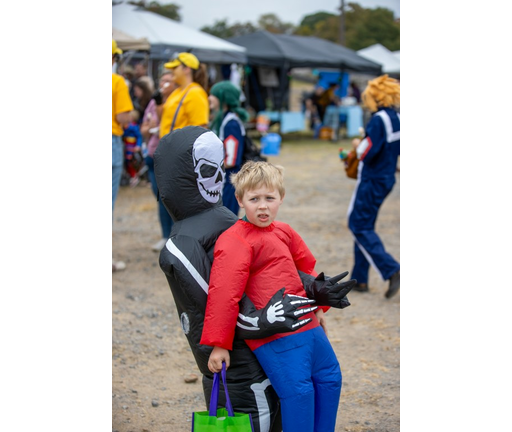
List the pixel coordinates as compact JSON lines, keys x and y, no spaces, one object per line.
{"x":207,"y":171}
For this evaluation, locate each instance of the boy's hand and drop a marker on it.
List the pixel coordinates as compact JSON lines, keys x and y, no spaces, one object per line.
{"x":217,"y":356}
{"x":320,"y":316}
{"x":327,"y":292}
{"x":282,"y":314}
{"x":356,"y":142}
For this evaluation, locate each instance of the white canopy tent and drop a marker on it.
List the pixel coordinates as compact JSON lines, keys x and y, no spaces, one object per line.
{"x":127,"y":42}
{"x":167,"y":36}
{"x":380,"y":54}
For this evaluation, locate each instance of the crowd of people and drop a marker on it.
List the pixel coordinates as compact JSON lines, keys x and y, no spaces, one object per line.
{"x":320,"y":104}
{"x":244,"y":287}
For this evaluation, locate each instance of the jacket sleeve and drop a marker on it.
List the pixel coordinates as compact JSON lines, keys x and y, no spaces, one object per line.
{"x":229,"y":275}
{"x":233,"y":144}
{"x":302,"y":256}
{"x":374,"y":140}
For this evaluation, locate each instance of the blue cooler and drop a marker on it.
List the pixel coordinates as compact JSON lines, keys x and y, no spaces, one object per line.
{"x":270,"y":144}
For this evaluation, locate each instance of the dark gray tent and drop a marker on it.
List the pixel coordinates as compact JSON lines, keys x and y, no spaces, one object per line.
{"x":284,"y":52}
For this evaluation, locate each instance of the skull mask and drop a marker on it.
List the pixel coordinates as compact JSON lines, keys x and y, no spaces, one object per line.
{"x":208,"y":159}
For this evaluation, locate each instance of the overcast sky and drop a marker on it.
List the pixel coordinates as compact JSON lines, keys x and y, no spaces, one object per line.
{"x":200,"y":13}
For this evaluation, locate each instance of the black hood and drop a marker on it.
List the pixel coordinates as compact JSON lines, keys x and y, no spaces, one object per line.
{"x":189,"y":171}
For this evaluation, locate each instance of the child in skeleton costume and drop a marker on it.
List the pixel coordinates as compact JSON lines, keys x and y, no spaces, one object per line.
{"x":189,"y":173}
{"x":378,"y":154}
{"x":251,"y":257}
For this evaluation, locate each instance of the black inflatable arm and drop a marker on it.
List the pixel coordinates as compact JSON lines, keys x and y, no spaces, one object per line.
{"x":326,"y":291}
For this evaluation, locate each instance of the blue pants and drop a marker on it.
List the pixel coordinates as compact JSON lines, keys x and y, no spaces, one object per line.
{"x":369,"y":195}
{"x":117,"y":166}
{"x":305,"y":374}
{"x":165,"y":218}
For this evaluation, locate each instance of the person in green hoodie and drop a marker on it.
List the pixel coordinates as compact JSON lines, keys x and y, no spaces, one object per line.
{"x":228,"y":125}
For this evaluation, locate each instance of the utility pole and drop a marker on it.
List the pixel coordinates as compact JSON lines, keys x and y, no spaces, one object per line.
{"x":342,"y":24}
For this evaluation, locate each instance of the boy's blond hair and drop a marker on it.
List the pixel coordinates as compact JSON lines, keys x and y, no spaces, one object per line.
{"x":257,"y":174}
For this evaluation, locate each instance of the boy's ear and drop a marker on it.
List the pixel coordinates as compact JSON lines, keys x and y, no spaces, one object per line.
{"x":239,"y":201}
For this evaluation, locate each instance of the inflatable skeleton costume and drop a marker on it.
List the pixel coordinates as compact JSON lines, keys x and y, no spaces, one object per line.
{"x":190,"y":175}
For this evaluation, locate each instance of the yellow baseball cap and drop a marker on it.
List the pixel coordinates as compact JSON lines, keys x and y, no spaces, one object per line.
{"x":115,"y":49}
{"x":184,"y":58}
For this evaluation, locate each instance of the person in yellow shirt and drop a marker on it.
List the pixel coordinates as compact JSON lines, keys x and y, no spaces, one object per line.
{"x":188,"y":104}
{"x":121,"y":107}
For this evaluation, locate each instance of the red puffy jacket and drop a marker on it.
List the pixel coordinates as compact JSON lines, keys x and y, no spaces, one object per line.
{"x":258,"y":261}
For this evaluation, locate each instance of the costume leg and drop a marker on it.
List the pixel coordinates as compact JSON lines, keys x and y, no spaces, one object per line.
{"x":327,"y":382}
{"x":166,"y":221}
{"x":117,"y":166}
{"x":255,"y":397}
{"x":297,"y":365}
{"x":361,"y":266}
{"x":368,"y":198}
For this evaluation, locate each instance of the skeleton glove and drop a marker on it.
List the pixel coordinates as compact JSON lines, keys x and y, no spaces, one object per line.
{"x":327,"y":292}
{"x":280,"y":315}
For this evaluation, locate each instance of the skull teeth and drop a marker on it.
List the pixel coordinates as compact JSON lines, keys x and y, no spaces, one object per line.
{"x":210,"y":193}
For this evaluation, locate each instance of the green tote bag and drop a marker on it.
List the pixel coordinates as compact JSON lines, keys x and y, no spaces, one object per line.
{"x":221,"y":419}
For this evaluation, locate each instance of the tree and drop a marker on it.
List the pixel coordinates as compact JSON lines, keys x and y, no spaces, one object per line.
{"x":268,"y":22}
{"x":168,"y":10}
{"x":271,"y":23}
{"x":363,"y":27}
{"x":222,"y":30}
{"x":323,"y":25}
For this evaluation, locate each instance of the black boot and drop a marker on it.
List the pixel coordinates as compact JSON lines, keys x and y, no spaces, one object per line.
{"x":361,"y":287}
{"x":394,"y":285}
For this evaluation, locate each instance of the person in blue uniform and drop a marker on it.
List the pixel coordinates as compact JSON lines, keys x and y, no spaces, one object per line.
{"x":228,"y":125}
{"x":378,"y":154}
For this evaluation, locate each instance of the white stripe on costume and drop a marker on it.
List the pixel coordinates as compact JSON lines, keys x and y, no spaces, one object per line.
{"x":358,"y":180}
{"x":171,"y":247}
{"x":349,"y":212}
{"x":262,"y":403}
{"x":230,"y":116}
{"x":368,"y":257}
{"x":362,"y":147}
{"x":390,"y":135}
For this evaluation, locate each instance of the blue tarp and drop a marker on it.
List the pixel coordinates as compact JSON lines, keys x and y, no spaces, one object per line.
{"x":326,"y":78}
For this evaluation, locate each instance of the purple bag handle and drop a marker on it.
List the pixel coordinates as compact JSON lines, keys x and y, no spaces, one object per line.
{"x":214,"y":398}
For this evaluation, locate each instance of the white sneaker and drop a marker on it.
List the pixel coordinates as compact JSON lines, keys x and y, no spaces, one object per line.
{"x":118,"y":266}
{"x":157,"y":247}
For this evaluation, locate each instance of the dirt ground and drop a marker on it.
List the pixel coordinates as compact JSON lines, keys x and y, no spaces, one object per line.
{"x":150,"y":354}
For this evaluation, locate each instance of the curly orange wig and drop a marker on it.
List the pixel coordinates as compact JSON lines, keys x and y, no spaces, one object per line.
{"x":382,"y":91}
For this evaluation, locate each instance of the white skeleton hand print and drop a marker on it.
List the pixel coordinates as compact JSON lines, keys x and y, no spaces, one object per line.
{"x":282,"y":314}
